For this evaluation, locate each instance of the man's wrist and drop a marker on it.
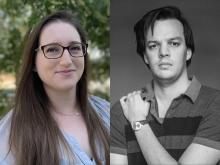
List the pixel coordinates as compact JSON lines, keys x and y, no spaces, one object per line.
{"x":137,"y":119}
{"x":138,"y":124}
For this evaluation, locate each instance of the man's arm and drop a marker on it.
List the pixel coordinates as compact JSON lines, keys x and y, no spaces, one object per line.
{"x":118,"y":148}
{"x":152,"y":150}
{"x":118,"y":159}
{"x":200,"y":154}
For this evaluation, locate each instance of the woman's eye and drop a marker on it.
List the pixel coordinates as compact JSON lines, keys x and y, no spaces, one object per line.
{"x":75,"y":48}
{"x":52,"y":50}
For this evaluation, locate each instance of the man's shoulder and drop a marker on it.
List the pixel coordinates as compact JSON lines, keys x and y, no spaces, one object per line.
{"x":209,"y":93}
{"x":116,"y":108}
{"x":209,"y":101}
{"x":210,"y":89}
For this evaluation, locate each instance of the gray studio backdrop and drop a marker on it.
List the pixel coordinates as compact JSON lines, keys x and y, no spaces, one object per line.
{"x":128,"y":71}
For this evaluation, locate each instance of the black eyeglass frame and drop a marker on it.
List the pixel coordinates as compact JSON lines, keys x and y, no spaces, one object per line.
{"x":64,"y":47}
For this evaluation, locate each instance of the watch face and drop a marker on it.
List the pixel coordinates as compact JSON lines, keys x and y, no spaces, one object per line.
{"x":137,"y":126}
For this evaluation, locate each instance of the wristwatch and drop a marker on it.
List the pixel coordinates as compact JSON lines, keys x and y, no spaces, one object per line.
{"x":137,"y":125}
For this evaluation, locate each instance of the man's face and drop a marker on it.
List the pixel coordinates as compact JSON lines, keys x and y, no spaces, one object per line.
{"x":166,"y":51}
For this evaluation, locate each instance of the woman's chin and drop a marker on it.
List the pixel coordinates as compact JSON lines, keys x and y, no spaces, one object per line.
{"x":65,"y":87}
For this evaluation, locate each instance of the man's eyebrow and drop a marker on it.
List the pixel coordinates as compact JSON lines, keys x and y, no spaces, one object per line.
{"x":176,"y":38}
{"x":152,"y":41}
{"x":168,"y":39}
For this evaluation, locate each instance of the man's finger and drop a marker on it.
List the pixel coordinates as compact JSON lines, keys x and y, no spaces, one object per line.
{"x":123,"y":100}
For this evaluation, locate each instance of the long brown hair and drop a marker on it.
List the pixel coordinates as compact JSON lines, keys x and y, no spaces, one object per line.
{"x":35,"y":138}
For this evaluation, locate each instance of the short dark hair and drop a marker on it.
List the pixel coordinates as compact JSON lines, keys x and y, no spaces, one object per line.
{"x":148,"y":20}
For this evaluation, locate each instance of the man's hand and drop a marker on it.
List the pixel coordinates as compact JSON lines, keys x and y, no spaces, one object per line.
{"x":135,"y":108}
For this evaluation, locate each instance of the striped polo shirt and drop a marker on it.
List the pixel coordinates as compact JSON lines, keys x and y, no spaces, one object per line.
{"x":193,"y":117}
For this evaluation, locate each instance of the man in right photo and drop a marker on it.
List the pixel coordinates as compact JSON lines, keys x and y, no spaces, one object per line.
{"x":174,"y":119}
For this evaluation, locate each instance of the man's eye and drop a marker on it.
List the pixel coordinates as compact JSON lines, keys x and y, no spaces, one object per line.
{"x":174,"y":44}
{"x":152,"y":46}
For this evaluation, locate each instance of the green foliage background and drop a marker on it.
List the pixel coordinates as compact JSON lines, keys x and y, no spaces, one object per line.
{"x":17,"y":16}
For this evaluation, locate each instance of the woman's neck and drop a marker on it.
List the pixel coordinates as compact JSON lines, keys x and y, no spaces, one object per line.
{"x":63,"y":101}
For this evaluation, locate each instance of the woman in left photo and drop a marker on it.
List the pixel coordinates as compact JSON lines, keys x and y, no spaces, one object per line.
{"x":55,"y":121}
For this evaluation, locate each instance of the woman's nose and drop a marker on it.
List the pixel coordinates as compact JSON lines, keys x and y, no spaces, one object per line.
{"x":66,"y":58}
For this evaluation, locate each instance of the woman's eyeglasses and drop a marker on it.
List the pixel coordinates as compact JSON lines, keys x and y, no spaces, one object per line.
{"x":55,"y":50}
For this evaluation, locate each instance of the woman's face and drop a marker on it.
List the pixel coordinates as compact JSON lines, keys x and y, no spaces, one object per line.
{"x":61,"y":74}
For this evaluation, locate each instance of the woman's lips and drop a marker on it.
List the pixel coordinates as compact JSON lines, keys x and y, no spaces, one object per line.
{"x":65,"y":72}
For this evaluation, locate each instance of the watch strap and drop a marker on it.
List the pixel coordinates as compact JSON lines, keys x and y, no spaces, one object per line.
{"x":148,"y":119}
{"x":140,"y":123}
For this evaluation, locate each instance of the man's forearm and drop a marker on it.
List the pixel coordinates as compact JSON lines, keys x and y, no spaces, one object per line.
{"x":152,"y":150}
{"x":118,"y":159}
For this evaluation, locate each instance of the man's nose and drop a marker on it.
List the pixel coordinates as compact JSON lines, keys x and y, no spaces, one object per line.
{"x":164,"y":50}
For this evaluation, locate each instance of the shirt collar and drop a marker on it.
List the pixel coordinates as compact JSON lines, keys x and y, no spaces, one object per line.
{"x":192,"y":91}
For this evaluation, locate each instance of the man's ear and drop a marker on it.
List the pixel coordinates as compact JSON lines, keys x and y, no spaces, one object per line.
{"x":188,"y":54}
{"x":145,"y":59}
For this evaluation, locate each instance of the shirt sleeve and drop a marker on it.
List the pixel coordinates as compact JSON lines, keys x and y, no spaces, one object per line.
{"x":117,"y":126}
{"x":208,"y":133}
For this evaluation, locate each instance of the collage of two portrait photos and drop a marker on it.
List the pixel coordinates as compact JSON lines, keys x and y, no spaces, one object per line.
{"x":109,"y":82}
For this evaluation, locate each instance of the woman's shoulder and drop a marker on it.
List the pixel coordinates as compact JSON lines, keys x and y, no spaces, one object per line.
{"x":5,"y":125}
{"x":99,"y":102}
{"x":102,"y":107}
{"x":5,"y":121}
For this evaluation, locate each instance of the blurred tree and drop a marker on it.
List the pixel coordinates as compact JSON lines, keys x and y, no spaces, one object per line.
{"x":17,"y":16}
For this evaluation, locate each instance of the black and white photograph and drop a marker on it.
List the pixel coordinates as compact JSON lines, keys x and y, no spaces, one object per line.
{"x":165,"y":98}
